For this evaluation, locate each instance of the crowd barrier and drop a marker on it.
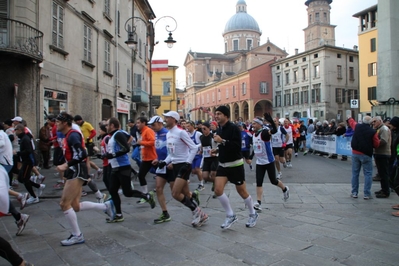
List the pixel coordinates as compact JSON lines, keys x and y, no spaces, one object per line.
{"x":330,"y":144}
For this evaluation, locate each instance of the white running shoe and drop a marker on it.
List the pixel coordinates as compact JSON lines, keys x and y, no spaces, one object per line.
{"x":257,"y":207}
{"x":286,"y":194}
{"x":229,"y":221}
{"x":40,"y":190}
{"x":23,"y":200}
{"x":252,"y":220}
{"x":21,"y":223}
{"x":72,"y":240}
{"x":279,"y":175}
{"x":32,"y":200}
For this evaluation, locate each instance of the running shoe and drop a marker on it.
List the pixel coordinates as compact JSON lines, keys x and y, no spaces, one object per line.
{"x":23,"y":200}
{"x":151,"y":199}
{"x":21,"y":223}
{"x":305,"y":152}
{"x":102,"y":199}
{"x":84,"y":193}
{"x":279,"y":175}
{"x":229,"y":221}
{"x":296,"y":154}
{"x":40,"y":190}
{"x":252,"y":220}
{"x":59,"y":185}
{"x":117,"y":219}
{"x":99,"y":173}
{"x":202,"y":219}
{"x":196,"y":216}
{"x":40,"y":179}
{"x":195,"y":196}
{"x":32,"y":200}
{"x":257,"y":207}
{"x":285,"y":165}
{"x":73,"y":240}
{"x":33,"y":178}
{"x":110,"y":208}
{"x":142,"y":201}
{"x":162,"y":219}
{"x":286,"y":194}
{"x":354,"y":195}
{"x":289,"y":165}
{"x":200,"y":187}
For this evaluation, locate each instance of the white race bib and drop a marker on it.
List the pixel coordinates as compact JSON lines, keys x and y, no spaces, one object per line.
{"x":243,"y":144}
{"x":171,"y":148}
{"x":206,"y":151}
{"x":257,"y":147}
{"x":161,"y":170}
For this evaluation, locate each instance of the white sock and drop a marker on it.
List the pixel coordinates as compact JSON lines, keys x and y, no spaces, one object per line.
{"x":224,"y":200}
{"x":88,"y":205}
{"x":248,"y":201}
{"x":20,"y":196}
{"x":202,"y":182}
{"x":70,"y":216}
{"x":98,"y":194}
{"x":144,"y":189}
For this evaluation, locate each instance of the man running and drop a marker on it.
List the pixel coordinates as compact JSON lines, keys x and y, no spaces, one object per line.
{"x":181,"y":152}
{"x":231,"y":167}
{"x":265,"y":158}
{"x":195,"y":135}
{"x":210,"y":163}
{"x":117,"y":154}
{"x":77,"y":175}
{"x":246,"y":141}
{"x":290,"y":142}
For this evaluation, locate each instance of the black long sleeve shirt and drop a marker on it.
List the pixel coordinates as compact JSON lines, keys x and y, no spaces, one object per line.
{"x":230,"y":151}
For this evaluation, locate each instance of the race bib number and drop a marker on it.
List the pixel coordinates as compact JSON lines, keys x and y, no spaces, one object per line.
{"x":158,"y":144}
{"x":275,"y":138}
{"x":243,"y":144}
{"x":206,"y":151}
{"x":258,"y":147}
{"x":171,"y":148}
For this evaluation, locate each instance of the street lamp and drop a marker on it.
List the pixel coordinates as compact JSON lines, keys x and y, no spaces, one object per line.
{"x":132,"y":42}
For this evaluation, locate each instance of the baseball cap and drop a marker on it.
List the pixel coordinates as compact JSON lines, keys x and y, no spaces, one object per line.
{"x":173,"y":114}
{"x":154,"y":119}
{"x":130,"y":121}
{"x":77,"y":118}
{"x":17,"y":118}
{"x":388,"y":119}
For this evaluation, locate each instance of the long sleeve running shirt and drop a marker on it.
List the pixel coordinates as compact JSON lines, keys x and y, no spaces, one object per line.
{"x":181,"y":148}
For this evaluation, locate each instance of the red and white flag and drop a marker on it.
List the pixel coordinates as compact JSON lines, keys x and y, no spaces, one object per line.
{"x":159,"y":65}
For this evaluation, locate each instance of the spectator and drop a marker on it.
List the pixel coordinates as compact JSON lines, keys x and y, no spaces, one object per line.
{"x":45,"y":144}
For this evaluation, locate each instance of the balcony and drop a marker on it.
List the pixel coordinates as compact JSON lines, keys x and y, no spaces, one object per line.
{"x":20,"y":39}
{"x":140,"y":96}
{"x":156,"y":101}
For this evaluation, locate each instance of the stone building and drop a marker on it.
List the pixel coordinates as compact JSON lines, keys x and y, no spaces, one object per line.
{"x":321,"y":81}
{"x":240,"y":78}
{"x":71,"y":56}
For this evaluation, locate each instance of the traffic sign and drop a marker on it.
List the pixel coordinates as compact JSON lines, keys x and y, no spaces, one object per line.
{"x":354,"y":103}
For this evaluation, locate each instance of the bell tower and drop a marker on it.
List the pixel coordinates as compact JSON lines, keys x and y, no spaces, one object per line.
{"x":319,"y":30}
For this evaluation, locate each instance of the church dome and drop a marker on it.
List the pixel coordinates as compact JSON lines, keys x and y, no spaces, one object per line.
{"x":241,"y":20}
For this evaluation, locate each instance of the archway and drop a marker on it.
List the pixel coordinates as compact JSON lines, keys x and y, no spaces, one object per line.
{"x":236,"y":112}
{"x":245,"y":111}
{"x":263,"y":106}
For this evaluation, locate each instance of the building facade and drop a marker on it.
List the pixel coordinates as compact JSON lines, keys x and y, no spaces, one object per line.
{"x":320,"y":82}
{"x":164,"y":87}
{"x":71,"y":56}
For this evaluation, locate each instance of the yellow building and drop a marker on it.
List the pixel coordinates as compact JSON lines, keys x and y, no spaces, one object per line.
{"x":163,"y":85}
{"x":367,"y":58}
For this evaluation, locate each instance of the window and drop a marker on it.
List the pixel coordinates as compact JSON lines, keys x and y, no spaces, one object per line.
{"x":235,"y":45}
{"x":107,"y":10}
{"x":116,"y":73}
{"x":373,"y":45}
{"x":87,"y":43}
{"x":278,"y":81}
{"x":295,"y":98}
{"x":295,"y":75}
{"x":295,"y":62}
{"x":118,"y":21}
{"x":287,"y":78}
{"x":325,"y":16}
{"x":352,"y":94}
{"x":310,"y":19}
{"x":58,"y":26}
{"x":207,"y":98}
{"x":372,"y":69}
{"x":234,"y":91}
{"x":137,"y":81}
{"x":304,"y":59}
{"x":351,"y":58}
{"x":278,"y":67}
{"x":317,"y":17}
{"x":213,"y":96}
{"x":140,"y":48}
{"x":338,"y":55}
{"x":304,"y":74}
{"x":244,"y":88}
{"x":219,"y":95}
{"x":317,"y":71}
{"x":107,"y":57}
{"x":128,"y":80}
{"x":227,"y":93}
{"x":287,"y":99}
{"x":304,"y":97}
{"x":316,"y":93}
{"x":316,"y":55}
{"x":264,"y":87}
{"x":278,"y":99}
{"x":351,"y":73}
{"x":249,"y":44}
{"x":287,"y":64}
{"x":225,"y":47}
{"x":339,"y":95}
{"x":339,"y":72}
{"x":166,"y":88}
{"x":372,"y":93}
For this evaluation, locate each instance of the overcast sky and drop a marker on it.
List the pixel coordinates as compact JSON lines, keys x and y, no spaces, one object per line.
{"x":200,"y":25}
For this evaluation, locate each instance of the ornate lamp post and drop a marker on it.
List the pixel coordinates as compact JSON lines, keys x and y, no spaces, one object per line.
{"x":132,"y":41}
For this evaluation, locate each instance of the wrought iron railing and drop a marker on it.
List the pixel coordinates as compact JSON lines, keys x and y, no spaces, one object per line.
{"x":18,"y":37}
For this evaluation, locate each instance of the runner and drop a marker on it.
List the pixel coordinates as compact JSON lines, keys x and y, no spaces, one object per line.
{"x":195,"y":135}
{"x":246,"y":142}
{"x":279,"y":140}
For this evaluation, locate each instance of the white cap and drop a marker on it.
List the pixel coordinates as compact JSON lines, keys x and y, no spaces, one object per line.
{"x":173,"y":114}
{"x":154,"y":119}
{"x":17,"y":118}
{"x":281,"y":120}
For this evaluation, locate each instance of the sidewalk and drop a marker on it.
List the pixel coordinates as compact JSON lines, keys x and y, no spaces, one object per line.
{"x":319,"y":225}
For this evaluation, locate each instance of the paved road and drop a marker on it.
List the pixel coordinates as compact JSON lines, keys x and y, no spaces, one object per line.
{"x":319,"y":225}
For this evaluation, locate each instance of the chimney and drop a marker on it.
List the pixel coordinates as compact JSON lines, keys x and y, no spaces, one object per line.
{"x":296,"y":50}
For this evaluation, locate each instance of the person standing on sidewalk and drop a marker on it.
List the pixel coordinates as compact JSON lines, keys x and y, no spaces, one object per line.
{"x":117,"y":154}
{"x":381,"y":156}
{"x":231,"y":167}
{"x":364,"y":140}
{"x":148,"y":152}
{"x":76,"y":173}
{"x":265,"y":159}
{"x":181,"y":152}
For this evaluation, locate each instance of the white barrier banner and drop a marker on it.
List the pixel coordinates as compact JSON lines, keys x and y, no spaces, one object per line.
{"x":323,"y":143}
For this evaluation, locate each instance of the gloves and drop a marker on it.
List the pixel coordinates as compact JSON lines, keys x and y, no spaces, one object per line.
{"x":268,"y":118}
{"x":284,"y":145}
{"x":99,"y":156}
{"x":109,"y":155}
{"x":184,"y":171}
{"x":161,"y":164}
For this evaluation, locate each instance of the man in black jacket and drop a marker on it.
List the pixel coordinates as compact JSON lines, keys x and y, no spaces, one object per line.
{"x":231,"y":167}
